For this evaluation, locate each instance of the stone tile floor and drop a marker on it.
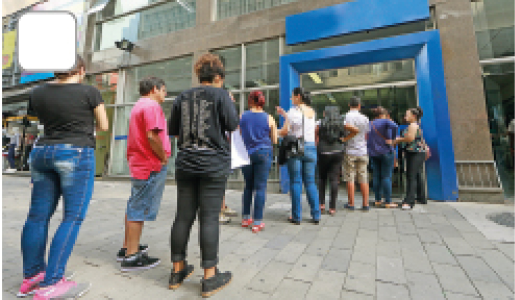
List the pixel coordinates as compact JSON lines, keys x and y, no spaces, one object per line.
{"x":433,"y":252}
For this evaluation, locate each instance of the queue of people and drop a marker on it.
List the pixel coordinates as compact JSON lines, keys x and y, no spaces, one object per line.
{"x":62,"y":164}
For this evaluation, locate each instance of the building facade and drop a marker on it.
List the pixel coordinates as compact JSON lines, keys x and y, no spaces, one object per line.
{"x":253,"y":36}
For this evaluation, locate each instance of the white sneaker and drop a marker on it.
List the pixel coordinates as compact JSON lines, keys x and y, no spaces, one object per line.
{"x":10,"y":171}
{"x":224,"y":219}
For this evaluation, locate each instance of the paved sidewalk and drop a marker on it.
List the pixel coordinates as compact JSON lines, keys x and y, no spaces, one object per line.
{"x":431,"y":253}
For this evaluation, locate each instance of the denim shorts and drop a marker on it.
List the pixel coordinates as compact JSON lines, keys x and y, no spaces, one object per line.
{"x":146,"y":195}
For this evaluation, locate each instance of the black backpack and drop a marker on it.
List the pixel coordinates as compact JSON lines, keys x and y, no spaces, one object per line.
{"x":331,"y":127}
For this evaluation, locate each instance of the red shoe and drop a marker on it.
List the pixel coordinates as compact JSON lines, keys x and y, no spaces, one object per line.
{"x":246,"y":223}
{"x":258,"y":228}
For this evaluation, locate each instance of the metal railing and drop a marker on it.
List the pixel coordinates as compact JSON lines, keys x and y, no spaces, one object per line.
{"x":478,"y":175}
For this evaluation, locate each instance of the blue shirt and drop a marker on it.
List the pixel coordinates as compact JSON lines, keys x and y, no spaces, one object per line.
{"x":255,"y":131}
{"x":376,"y":144}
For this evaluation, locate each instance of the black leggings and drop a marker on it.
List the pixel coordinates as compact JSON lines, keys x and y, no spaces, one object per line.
{"x":415,"y":186}
{"x":205,"y":195}
{"x":329,"y":166}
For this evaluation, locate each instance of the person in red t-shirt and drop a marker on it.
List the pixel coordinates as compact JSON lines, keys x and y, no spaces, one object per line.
{"x":148,"y":149}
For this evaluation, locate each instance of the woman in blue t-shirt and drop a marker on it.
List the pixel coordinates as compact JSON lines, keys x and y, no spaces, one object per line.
{"x":259,"y":132}
{"x":382,"y":155}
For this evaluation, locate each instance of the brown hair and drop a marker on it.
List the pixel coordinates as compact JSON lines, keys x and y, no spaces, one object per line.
{"x":417,"y":112}
{"x":79,"y":64}
{"x":208,"y":66}
{"x":379,"y":111}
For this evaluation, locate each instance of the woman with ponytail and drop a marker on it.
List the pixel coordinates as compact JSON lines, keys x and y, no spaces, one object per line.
{"x":415,"y":149}
{"x":259,"y":132}
{"x":300,"y":122}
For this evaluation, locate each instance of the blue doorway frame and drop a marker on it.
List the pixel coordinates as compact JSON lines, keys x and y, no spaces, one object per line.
{"x":425,"y":48}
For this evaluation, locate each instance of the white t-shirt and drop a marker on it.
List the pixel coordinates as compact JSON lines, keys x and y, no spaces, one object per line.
{"x":357,"y":146}
{"x":295,"y":117}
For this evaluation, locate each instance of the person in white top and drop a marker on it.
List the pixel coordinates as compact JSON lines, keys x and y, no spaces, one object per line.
{"x":300,"y":122}
{"x":356,"y":158}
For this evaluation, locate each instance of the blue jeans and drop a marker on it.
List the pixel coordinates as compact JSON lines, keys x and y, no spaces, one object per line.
{"x":11,"y":155}
{"x":56,"y":170}
{"x":256,"y":177}
{"x":382,"y":170}
{"x":302,"y":169}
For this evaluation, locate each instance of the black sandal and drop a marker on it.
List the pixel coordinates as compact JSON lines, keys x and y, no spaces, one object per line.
{"x":290,"y":219}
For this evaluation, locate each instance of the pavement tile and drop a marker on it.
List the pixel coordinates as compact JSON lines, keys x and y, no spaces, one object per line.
{"x":279,"y":242}
{"x":390,"y":270}
{"x":306,"y":268}
{"x":501,"y":265}
{"x":291,"y":253}
{"x":337,"y":260}
{"x":328,"y":285}
{"x":344,"y":241}
{"x":328,"y":232}
{"x":291,"y":289}
{"x":270,"y":277}
{"x":507,"y":248}
{"x":424,"y":287}
{"x":388,"y":234}
{"x":440,"y":254}
{"x":454,"y":279}
{"x":361,"y":278}
{"x":455,"y":296}
{"x":429,"y":236}
{"x":404,"y":228}
{"x":478,"y":270}
{"x":350,"y":295}
{"x":459,"y":246}
{"x":478,"y":240}
{"x":494,"y":291}
{"x":319,"y":247}
{"x":388,"y":249}
{"x":388,"y":291}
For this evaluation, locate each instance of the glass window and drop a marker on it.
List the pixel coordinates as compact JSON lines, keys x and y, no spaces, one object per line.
{"x":231,"y":8}
{"x":231,"y":57}
{"x":176,"y":73}
{"x":161,"y":19}
{"x":359,"y":75}
{"x":262,"y":63}
{"x":494,"y":26}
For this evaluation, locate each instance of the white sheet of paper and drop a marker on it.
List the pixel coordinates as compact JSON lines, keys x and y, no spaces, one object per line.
{"x":239,"y":154}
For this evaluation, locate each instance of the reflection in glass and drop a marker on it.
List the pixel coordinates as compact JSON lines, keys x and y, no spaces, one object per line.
{"x":494,"y":26}
{"x":176,"y":73}
{"x":499,"y":86}
{"x":164,"y":18}
{"x":359,"y":75}
{"x":231,"y":8}
{"x":262,"y":61}
{"x":231,"y":58}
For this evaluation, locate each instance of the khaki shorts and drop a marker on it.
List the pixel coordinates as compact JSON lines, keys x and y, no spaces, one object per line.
{"x":355,"y":167}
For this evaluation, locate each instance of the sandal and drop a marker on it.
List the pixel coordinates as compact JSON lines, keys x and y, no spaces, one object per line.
{"x":378,"y":203}
{"x":391,"y":205}
{"x":349,"y":207}
{"x":332,"y":212}
{"x":290,"y":219}
{"x":322,"y":208}
{"x":365,"y":208}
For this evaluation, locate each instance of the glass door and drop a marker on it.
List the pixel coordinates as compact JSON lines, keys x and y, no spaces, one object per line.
{"x":499,"y":86}
{"x":396,"y":99}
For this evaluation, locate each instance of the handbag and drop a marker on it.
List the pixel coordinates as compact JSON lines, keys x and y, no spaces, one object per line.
{"x":426,"y":147}
{"x":298,"y":147}
{"x":293,"y":146}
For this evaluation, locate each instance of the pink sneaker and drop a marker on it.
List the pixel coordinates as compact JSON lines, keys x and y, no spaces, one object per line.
{"x":258,"y":228}
{"x":246,"y":223}
{"x":30,"y":285}
{"x":62,"y":290}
